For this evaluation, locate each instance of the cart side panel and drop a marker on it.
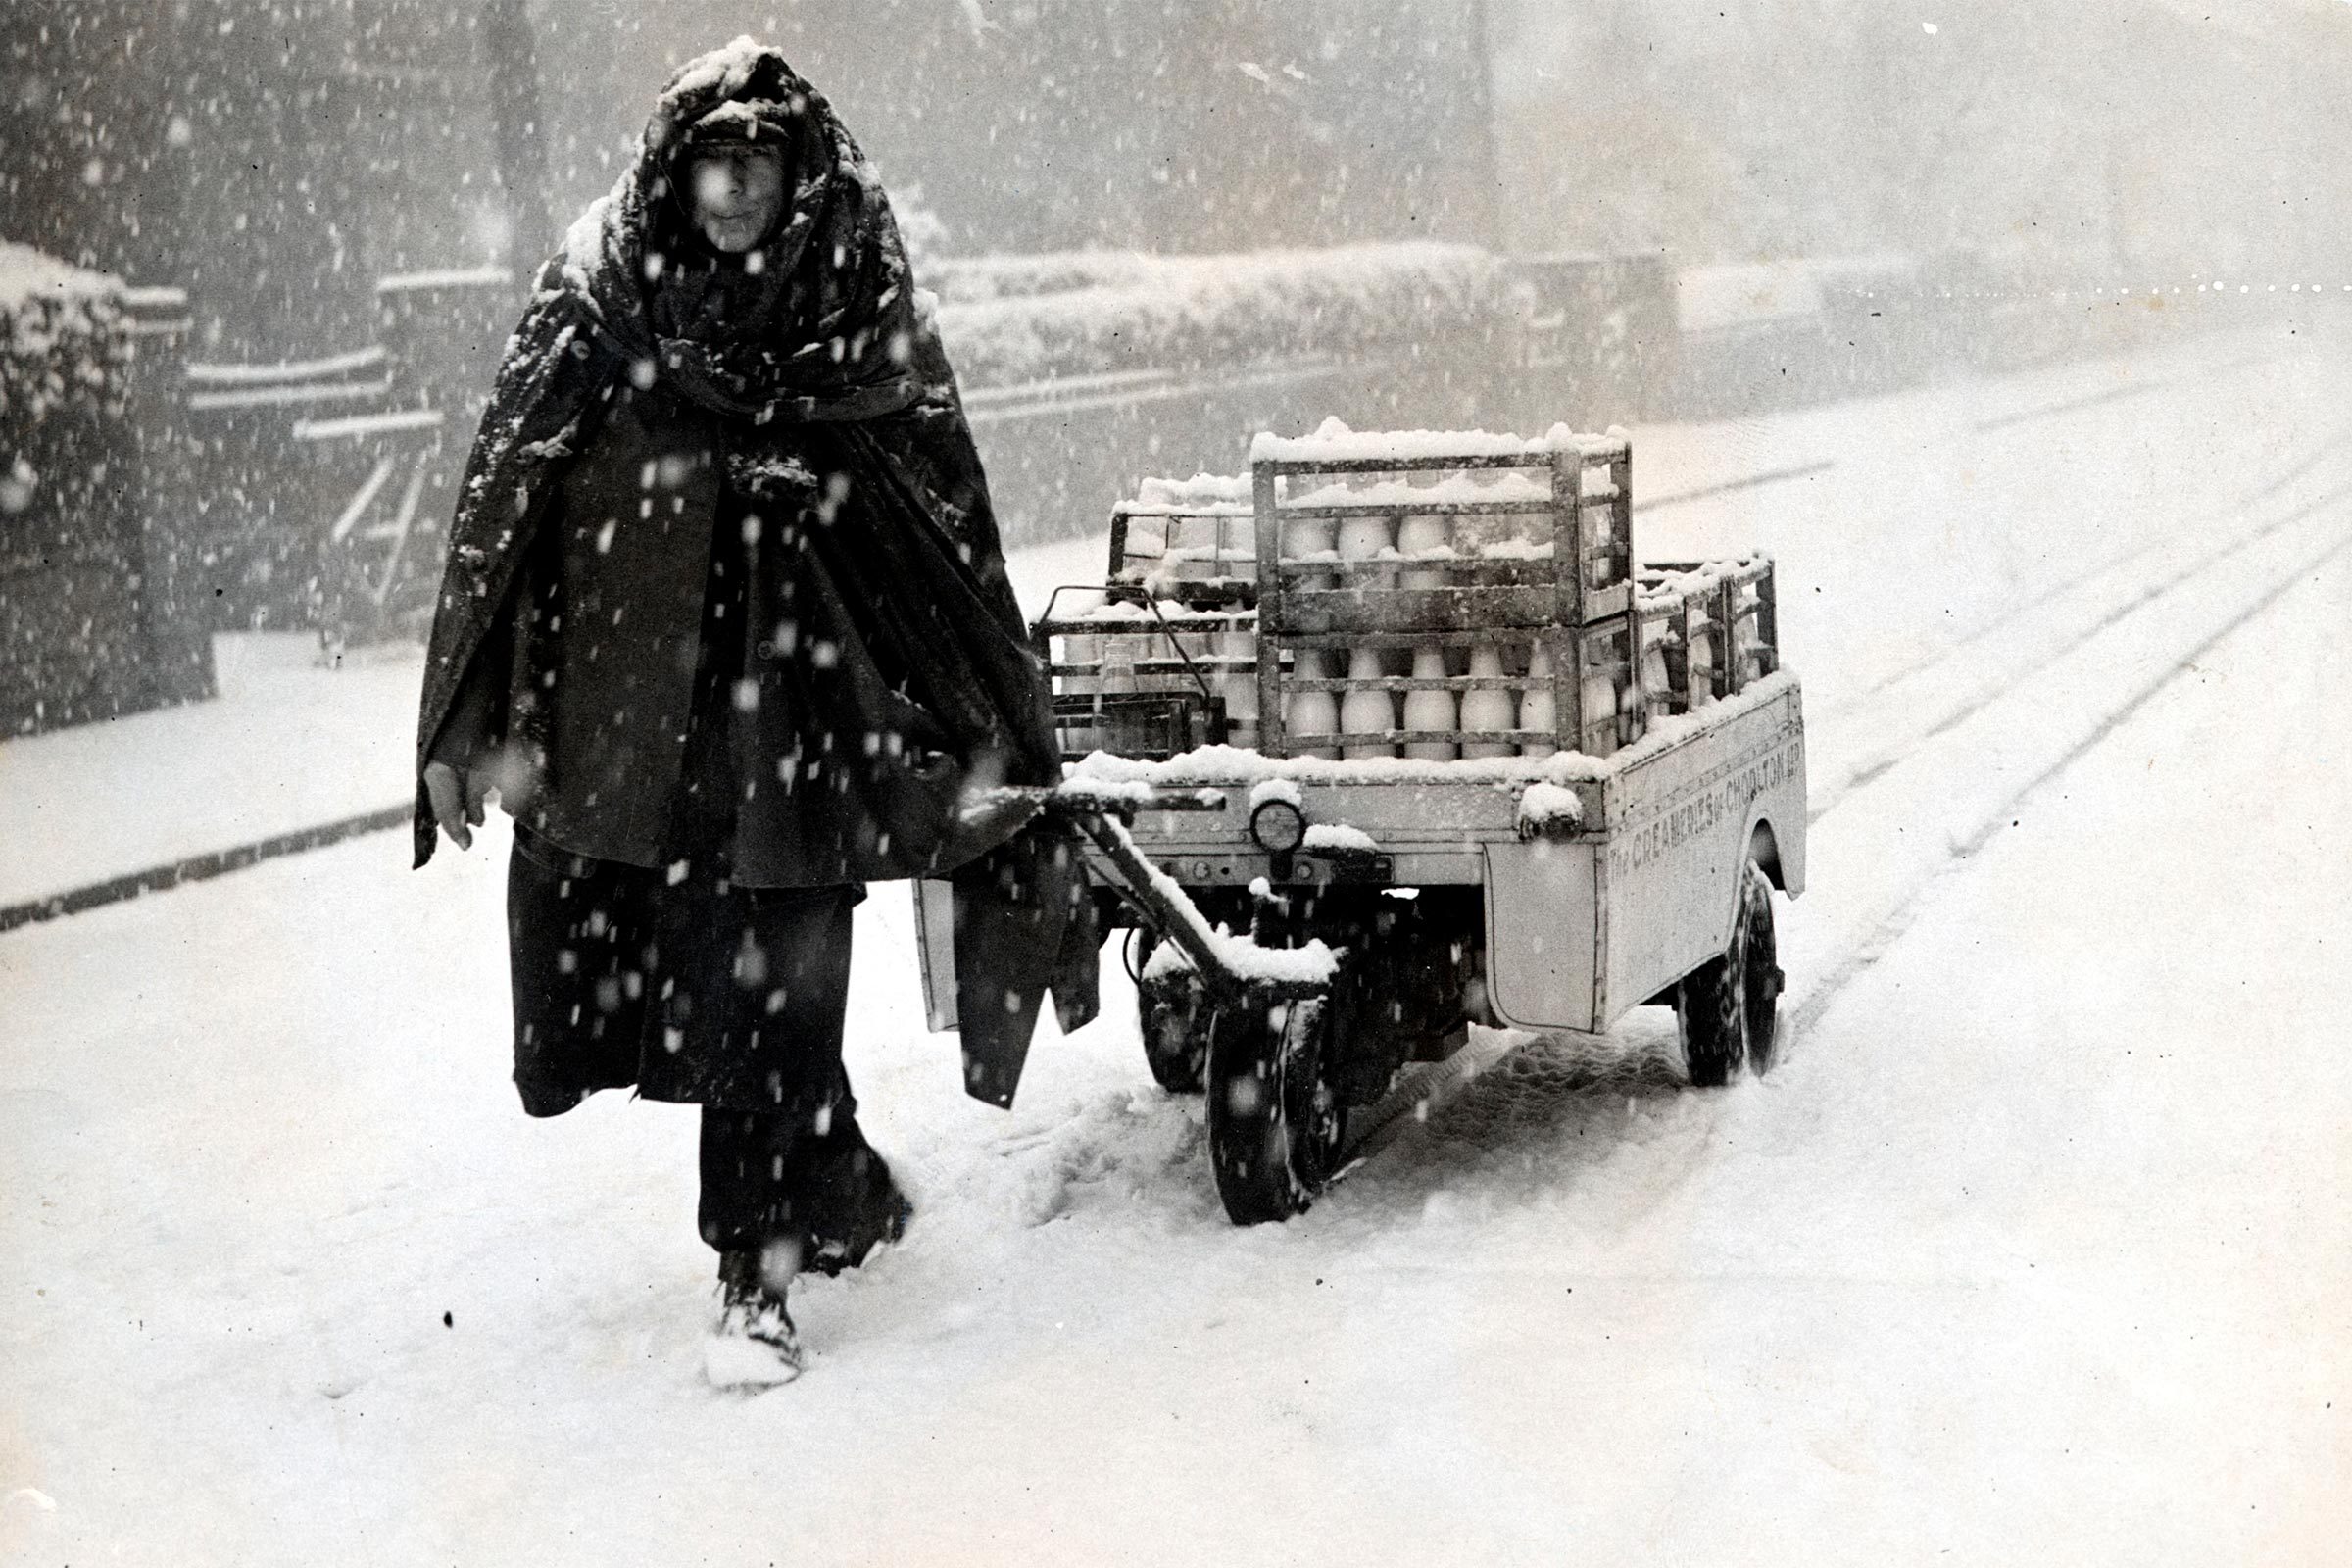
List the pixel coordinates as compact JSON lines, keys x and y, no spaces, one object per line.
{"x":1679,"y":825}
{"x":1542,"y":911}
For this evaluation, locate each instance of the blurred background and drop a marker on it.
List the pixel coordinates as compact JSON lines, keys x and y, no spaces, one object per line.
{"x":279,"y":157}
{"x":261,"y":252}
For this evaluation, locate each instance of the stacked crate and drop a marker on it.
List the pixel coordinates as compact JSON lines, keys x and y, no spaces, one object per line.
{"x":1710,"y":629}
{"x":1374,"y":594}
{"x":1459,"y":565}
{"x":1164,"y":658}
{"x":1190,"y":540}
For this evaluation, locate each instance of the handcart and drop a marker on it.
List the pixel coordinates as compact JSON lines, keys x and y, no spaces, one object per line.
{"x":1493,"y":771}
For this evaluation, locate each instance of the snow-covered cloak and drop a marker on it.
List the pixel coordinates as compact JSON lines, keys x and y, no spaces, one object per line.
{"x":823,"y":328}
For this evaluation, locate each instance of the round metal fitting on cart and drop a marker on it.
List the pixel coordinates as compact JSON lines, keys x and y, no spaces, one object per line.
{"x":1277,"y":827}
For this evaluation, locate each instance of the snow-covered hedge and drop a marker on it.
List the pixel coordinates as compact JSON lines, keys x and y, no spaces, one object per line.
{"x":72,"y":646}
{"x":978,"y":279}
{"x":61,"y":343}
{"x":1009,"y":321}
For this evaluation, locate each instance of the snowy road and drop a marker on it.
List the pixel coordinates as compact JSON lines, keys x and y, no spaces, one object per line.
{"x":2037,"y":1246}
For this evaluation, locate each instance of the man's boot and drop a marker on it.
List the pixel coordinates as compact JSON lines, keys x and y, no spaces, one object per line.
{"x":754,"y":1344}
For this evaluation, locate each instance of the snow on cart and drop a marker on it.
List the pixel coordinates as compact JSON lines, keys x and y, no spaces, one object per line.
{"x":1393,"y":735}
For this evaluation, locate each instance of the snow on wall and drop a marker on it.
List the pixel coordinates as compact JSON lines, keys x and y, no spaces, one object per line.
{"x":27,"y":274}
{"x":60,"y":341}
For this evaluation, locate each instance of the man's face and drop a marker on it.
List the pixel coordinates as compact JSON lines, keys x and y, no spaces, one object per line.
{"x":735,"y":193}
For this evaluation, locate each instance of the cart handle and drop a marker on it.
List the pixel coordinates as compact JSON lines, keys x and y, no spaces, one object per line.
{"x":1163,"y":900}
{"x":1156,"y":895}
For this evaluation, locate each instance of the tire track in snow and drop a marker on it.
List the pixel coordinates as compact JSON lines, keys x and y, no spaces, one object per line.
{"x":1886,"y":754}
{"x":1921,"y":820}
{"x":1905,"y":721}
{"x":2116,"y":393}
{"x":2025,"y":607}
{"x":2264,"y":564}
{"x":1823,"y":958}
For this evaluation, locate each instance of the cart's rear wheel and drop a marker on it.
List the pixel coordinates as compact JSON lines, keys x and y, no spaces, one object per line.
{"x":1173,"y":1013}
{"x":1276,"y":1124}
{"x":1764,"y":978}
{"x":1730,"y":1007}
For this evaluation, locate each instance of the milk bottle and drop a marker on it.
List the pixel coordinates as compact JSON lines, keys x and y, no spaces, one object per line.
{"x":1237,"y":682}
{"x":1191,"y":549}
{"x":1599,"y":689}
{"x":1086,"y":650}
{"x":1656,"y":684}
{"x":1146,"y":546}
{"x":1237,"y":547}
{"x":1700,"y":658}
{"x":1366,"y":711}
{"x":1748,"y":644}
{"x":1419,"y":532}
{"x":1310,"y":717}
{"x":1309,"y":536}
{"x":1599,"y":535}
{"x":1429,"y":710}
{"x":1489,"y":708}
{"x":1362,"y":539}
{"x":1539,"y":706}
{"x":1118,"y":676}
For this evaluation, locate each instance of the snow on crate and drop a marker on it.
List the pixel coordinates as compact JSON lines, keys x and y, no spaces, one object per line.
{"x":1171,"y":612}
{"x":1231,"y":765}
{"x":1334,"y":442}
{"x":1454,"y":490}
{"x":1216,"y":495}
{"x":1656,"y":587}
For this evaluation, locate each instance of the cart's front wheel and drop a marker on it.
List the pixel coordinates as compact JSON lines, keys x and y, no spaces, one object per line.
{"x":1173,"y":1012}
{"x":1730,"y":1007}
{"x":1276,"y":1125}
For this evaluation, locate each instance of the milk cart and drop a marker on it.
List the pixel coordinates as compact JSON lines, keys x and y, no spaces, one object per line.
{"x":1591,"y":788}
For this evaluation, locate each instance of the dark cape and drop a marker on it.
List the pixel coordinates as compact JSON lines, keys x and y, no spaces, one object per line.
{"x":816,"y":342}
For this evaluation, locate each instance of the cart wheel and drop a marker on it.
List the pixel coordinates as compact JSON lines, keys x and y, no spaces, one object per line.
{"x":1729,"y":1009}
{"x":1173,"y":1013}
{"x":1276,"y":1125}
{"x":1764,"y":977}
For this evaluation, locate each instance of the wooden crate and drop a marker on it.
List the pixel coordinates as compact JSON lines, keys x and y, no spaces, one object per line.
{"x":1505,"y":507}
{"x":1729,"y":610}
{"x":1170,"y":671}
{"x":1194,"y":541}
{"x":1150,"y":683}
{"x":1575,"y":653}
{"x":1506,"y":513}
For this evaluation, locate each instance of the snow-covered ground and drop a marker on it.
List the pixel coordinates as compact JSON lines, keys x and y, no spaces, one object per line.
{"x":2037,"y":1248}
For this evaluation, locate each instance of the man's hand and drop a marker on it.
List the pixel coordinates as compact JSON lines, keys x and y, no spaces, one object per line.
{"x":456,"y":800}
